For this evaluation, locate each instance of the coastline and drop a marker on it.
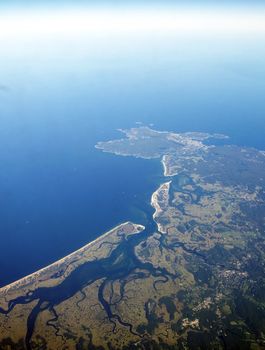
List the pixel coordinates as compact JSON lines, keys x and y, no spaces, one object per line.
{"x":98,"y":146}
{"x":163,"y":189}
{"x":70,"y":258}
{"x":166,"y":168}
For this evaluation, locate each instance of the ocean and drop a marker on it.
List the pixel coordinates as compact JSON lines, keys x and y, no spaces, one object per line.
{"x":60,"y":96}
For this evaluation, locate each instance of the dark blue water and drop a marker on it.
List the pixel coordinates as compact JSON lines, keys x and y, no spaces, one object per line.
{"x":59,"y":97}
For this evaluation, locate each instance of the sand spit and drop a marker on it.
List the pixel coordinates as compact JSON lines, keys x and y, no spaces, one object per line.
{"x":159,"y":201}
{"x":47,"y":272}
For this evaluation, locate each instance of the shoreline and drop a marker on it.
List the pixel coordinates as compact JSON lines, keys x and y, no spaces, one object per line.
{"x":98,"y":146}
{"x":164,"y":187}
{"x":166,"y":169}
{"x":26,"y":280}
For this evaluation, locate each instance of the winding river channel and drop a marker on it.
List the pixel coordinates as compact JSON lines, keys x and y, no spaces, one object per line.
{"x":121,"y":263}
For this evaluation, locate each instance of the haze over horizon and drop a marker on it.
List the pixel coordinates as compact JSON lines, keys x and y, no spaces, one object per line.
{"x":91,"y":17}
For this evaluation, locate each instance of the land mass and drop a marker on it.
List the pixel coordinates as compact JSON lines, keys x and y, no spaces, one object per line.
{"x":192,"y":278}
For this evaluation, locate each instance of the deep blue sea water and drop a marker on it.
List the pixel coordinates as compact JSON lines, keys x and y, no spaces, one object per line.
{"x":59,"y":97}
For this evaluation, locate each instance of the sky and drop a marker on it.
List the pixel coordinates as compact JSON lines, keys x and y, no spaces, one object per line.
{"x":233,"y":10}
{"x":41,"y":3}
{"x":24,"y":17}
{"x":30,"y":2}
